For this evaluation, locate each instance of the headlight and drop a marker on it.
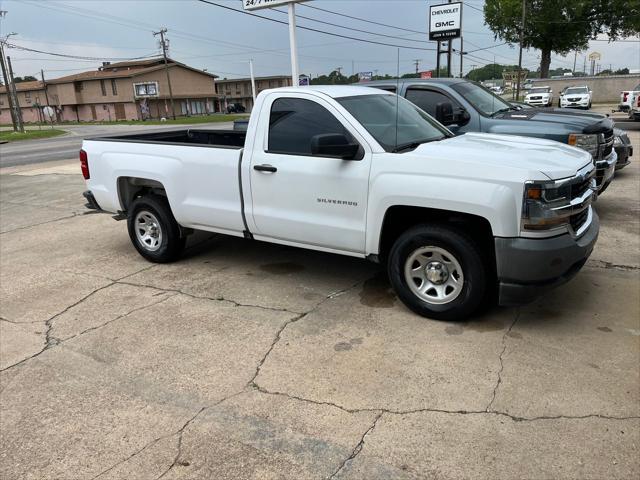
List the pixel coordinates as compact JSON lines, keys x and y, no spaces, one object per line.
{"x":588,"y":142}
{"x":617,"y":141}
{"x":543,"y":203}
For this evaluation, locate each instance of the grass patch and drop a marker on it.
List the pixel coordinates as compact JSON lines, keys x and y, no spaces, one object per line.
{"x":178,"y":121}
{"x":12,"y":136}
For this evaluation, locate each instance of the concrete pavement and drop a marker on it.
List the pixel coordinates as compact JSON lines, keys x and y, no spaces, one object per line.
{"x":250,"y":360}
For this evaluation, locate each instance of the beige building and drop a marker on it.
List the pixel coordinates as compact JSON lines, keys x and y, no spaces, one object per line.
{"x":239,"y":90}
{"x":134,"y":90}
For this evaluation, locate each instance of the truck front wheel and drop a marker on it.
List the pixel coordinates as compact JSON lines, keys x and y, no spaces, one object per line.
{"x":438,"y":272}
{"x":153,"y":230}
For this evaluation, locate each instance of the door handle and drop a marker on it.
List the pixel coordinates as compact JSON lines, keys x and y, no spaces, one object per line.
{"x":265,"y":168}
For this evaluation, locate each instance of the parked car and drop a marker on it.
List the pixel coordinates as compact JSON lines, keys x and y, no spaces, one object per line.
{"x":627,"y":98}
{"x":497,"y":90}
{"x":235,"y":108}
{"x":328,"y":168}
{"x":539,"y":97}
{"x":466,"y":106}
{"x":634,"y":112}
{"x":575,"y":97}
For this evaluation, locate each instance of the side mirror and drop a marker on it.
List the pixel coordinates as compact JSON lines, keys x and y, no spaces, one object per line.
{"x":334,"y":145}
{"x":444,"y":113}
{"x":463,"y":116}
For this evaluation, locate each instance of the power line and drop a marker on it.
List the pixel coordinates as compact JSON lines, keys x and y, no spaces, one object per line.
{"x":315,"y":29}
{"x":77,"y":57}
{"x":352,"y":28}
{"x":364,"y":20}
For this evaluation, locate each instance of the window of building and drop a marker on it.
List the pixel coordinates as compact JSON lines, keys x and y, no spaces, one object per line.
{"x":114,"y":86}
{"x":78,"y":86}
{"x":294,"y":121}
{"x":103,"y":88}
{"x":27,"y":96}
{"x":146,"y":89}
{"x":428,"y":99}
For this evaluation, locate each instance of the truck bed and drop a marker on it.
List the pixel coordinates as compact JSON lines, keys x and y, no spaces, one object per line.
{"x":192,"y":137}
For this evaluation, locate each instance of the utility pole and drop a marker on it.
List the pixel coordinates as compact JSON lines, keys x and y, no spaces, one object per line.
{"x":16,"y":101}
{"x":5,"y":75}
{"x":44,"y":85}
{"x":339,"y":70}
{"x":461,"y":54}
{"x":293,"y":45}
{"x":166,"y":67}
{"x":417,"y":64}
{"x":575,"y":57}
{"x":524,"y":13}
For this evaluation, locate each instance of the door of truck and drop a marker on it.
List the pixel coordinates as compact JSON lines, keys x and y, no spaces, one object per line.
{"x":301,"y":198}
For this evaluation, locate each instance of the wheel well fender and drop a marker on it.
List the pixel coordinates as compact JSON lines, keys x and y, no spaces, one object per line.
{"x":130,"y":188}
{"x":399,"y":218}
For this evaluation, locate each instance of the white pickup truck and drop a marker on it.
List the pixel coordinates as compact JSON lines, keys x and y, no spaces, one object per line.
{"x":361,"y":172}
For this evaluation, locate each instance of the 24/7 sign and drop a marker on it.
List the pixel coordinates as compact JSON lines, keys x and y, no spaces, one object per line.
{"x":257,"y":4}
{"x":445,"y":21}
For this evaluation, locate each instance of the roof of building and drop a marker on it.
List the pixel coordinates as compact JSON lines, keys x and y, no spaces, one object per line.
{"x":25,"y":86}
{"x":125,"y":69}
{"x":248,"y":79}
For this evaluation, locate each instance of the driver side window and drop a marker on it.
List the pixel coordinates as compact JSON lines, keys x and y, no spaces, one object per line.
{"x":428,"y":99}
{"x":294,"y":121}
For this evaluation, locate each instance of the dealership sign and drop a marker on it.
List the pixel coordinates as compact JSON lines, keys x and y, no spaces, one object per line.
{"x":258,"y":4}
{"x":445,"y":21}
{"x":365,"y":76}
{"x":425,"y":75}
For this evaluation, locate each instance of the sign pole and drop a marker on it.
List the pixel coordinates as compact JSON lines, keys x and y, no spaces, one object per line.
{"x":293,"y":45}
{"x":438,"y":60}
{"x":253,"y":81}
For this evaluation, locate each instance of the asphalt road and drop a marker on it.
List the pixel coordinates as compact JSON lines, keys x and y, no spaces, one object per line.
{"x":67,"y":146}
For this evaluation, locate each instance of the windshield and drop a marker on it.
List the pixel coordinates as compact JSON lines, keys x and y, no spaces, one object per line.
{"x":481,"y":98}
{"x":377,"y":114}
{"x":540,"y":90}
{"x":576,"y":90}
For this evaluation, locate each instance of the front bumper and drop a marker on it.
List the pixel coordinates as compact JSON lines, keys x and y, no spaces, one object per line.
{"x":605,"y":170}
{"x":579,"y":104}
{"x":624,"y":153}
{"x":542,"y":102}
{"x":528,"y":267}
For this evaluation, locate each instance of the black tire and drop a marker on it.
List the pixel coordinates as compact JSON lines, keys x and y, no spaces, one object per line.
{"x":465,"y":252}
{"x":170,"y":242}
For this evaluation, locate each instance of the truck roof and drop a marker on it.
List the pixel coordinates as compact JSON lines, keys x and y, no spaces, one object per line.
{"x":391,"y":81}
{"x":334,"y":91}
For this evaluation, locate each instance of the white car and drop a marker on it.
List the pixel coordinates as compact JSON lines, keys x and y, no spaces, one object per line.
{"x":362,"y":172}
{"x":576,"y":97}
{"x":539,"y":97}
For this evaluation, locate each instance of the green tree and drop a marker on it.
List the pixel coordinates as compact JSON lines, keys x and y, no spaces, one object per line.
{"x":26,"y":78}
{"x":561,"y":26}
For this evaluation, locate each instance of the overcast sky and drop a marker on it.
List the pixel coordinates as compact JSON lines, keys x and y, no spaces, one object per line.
{"x":223,"y":41}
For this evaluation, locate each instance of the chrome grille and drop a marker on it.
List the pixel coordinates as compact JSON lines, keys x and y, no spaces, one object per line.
{"x":608,"y":143}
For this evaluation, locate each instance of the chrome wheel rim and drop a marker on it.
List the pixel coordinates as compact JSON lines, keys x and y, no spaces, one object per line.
{"x":434,"y":275}
{"x":148,"y":230}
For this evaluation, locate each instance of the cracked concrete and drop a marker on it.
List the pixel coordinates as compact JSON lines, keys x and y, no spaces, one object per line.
{"x":248,"y":360}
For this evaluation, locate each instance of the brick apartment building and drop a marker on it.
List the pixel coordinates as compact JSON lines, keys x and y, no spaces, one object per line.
{"x":239,"y":90}
{"x":134,"y":90}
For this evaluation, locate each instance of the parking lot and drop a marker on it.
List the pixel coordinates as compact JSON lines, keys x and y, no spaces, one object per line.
{"x":251,"y":360}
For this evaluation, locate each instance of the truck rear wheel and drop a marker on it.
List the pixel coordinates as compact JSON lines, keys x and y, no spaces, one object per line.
{"x":153,"y":230}
{"x":438,"y":272}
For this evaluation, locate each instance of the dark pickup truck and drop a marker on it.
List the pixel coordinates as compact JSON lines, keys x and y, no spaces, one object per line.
{"x":465,"y":106}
